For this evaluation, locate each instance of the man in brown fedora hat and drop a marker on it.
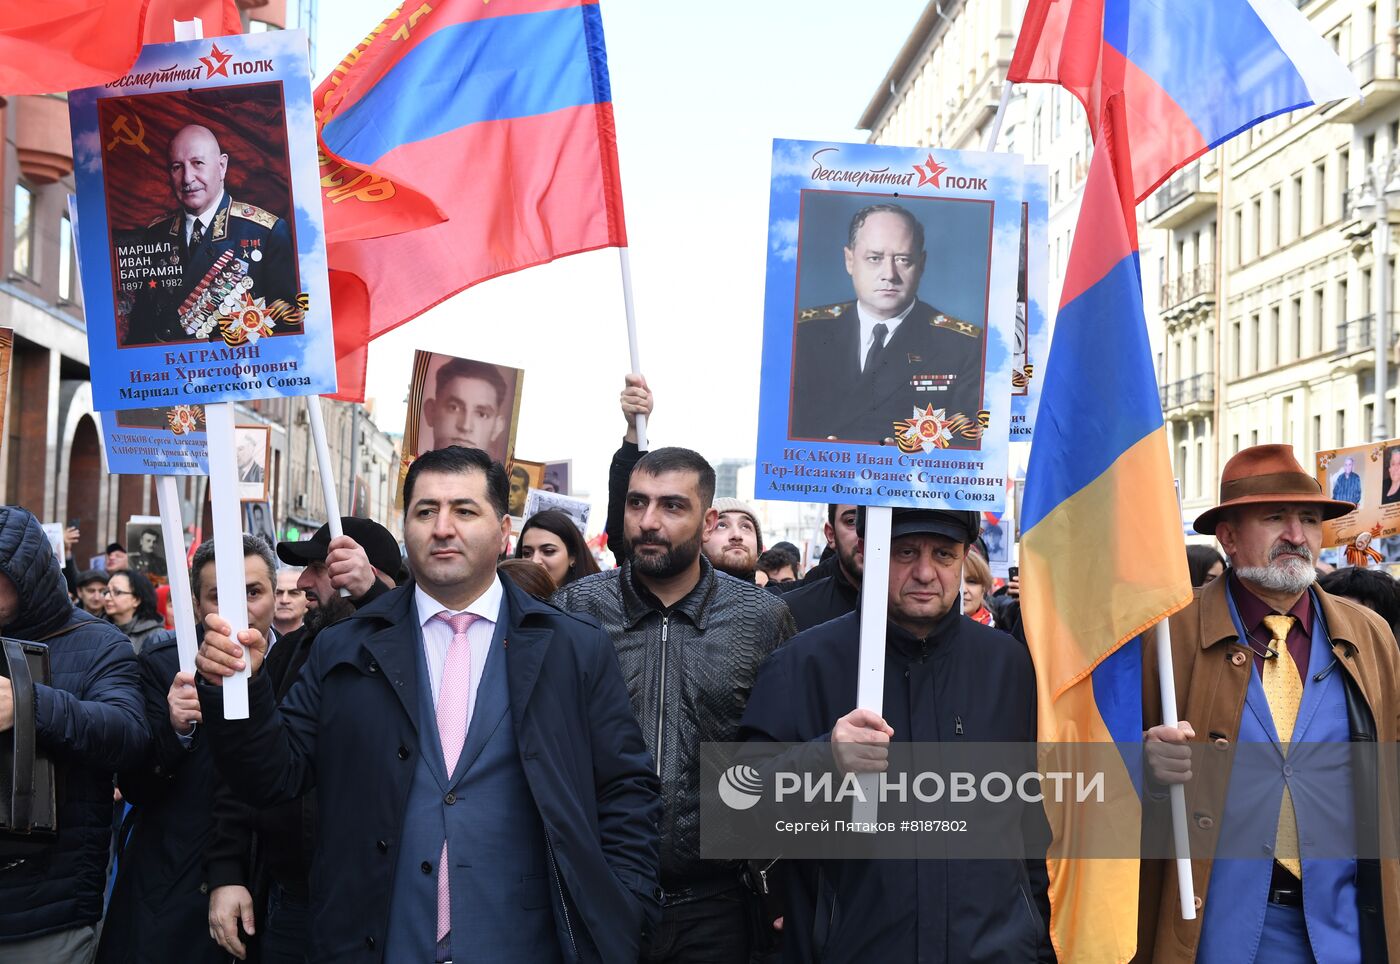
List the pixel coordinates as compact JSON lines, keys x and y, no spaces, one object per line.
{"x":1271,"y":672}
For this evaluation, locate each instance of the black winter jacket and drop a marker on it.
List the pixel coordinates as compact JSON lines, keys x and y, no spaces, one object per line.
{"x":688,"y":671}
{"x":90,"y":720}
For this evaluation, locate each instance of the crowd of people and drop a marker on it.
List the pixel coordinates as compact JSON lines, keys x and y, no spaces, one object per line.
{"x":480,"y":747}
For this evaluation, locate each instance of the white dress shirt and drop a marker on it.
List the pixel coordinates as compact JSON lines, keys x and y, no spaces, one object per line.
{"x":204,"y":219}
{"x":867,"y":328}
{"x":437,"y":635}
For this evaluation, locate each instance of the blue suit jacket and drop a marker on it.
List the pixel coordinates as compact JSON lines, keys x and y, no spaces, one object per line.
{"x":349,"y":726}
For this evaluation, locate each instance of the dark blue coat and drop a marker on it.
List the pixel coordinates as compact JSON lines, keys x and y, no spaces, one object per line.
{"x":90,"y":720}
{"x":965,"y":682}
{"x":348,"y":727}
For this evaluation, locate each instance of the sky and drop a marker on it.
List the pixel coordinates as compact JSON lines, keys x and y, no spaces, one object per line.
{"x":699,"y":94}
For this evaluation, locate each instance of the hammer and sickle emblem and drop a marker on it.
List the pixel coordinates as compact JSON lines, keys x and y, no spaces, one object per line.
{"x":123,"y":134}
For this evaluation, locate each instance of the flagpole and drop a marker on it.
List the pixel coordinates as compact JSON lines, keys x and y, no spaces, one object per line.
{"x":994,"y":134}
{"x":870,"y":681}
{"x":323,"y":465}
{"x":626,"y":263}
{"x":1166,"y":674}
{"x":177,"y":570}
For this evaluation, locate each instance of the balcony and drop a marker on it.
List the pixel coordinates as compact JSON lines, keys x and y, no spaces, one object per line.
{"x":1189,"y":397}
{"x":1376,"y":74}
{"x":42,"y":138}
{"x":1180,"y":199}
{"x":1184,"y":291}
{"x":1355,"y":340}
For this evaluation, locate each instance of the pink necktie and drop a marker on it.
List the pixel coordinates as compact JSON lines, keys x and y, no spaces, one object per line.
{"x":453,"y":696}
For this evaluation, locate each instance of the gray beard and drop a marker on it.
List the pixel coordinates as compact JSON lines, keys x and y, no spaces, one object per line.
{"x":1293,"y":577}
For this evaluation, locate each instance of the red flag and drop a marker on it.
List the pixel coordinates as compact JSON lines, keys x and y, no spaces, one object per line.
{"x":218,"y":18}
{"x":460,"y":142}
{"x":47,"y":46}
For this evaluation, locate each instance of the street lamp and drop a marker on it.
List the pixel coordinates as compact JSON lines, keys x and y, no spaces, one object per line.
{"x":1379,"y":194}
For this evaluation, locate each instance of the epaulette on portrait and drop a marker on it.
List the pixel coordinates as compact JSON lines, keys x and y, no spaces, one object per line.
{"x":950,"y":323}
{"x":251,"y":212}
{"x":162,"y":219}
{"x":824,"y":312}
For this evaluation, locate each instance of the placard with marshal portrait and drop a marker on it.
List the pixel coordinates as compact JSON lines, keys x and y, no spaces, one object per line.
{"x":202,"y":249}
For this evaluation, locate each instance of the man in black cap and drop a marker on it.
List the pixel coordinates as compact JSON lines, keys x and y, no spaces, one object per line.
{"x":89,"y":591}
{"x":947,"y":678}
{"x":365,"y":560}
{"x":116,"y":556}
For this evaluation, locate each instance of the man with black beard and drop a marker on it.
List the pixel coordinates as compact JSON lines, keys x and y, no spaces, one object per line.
{"x":819,"y":600}
{"x":690,"y":641}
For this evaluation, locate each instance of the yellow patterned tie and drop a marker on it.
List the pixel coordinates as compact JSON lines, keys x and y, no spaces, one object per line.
{"x":1283,"y":688}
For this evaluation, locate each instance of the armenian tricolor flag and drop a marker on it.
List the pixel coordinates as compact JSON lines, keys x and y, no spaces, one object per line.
{"x":461,"y":141}
{"x":1102,"y":549}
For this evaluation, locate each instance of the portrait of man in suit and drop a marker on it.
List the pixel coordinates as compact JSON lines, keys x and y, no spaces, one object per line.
{"x":860,"y":366}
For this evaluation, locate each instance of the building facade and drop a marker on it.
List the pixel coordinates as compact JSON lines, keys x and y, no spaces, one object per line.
{"x":51,"y":458}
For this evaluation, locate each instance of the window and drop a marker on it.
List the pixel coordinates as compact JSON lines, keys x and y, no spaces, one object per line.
{"x":1366,"y":292}
{"x":1276,"y":228}
{"x":1236,"y":348}
{"x":1253,"y":437}
{"x":1342,"y":309}
{"x":1320,"y":193}
{"x":67,"y":278}
{"x":23,"y":262}
{"x":1368,"y":151}
{"x":1275,"y":335}
{"x":1343,"y":180}
{"x":1193,"y":360}
{"x":1368,"y":418}
{"x":1200,"y":461}
{"x":1340,"y":440}
{"x":1255,"y":355}
{"x":1287,"y":420}
{"x":1295,"y":341}
{"x":1394,"y":140}
{"x":1319,"y":300}
{"x":1297,"y":202}
{"x":1237,"y":247}
{"x":1256,"y":220}
{"x":1317,"y":434}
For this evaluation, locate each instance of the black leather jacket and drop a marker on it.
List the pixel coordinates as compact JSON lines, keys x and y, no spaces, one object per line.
{"x":688,"y":670}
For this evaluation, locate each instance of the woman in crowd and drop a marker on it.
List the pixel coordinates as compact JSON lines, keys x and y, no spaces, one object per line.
{"x":977,"y":580}
{"x":1375,"y":589}
{"x":1204,"y":563}
{"x":551,"y":540}
{"x":130,"y":601}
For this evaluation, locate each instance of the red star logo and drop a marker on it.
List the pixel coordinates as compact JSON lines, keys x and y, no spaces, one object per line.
{"x":150,"y":284}
{"x":216,"y":62}
{"x":935,"y":171}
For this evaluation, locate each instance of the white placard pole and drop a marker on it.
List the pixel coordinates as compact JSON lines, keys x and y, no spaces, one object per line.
{"x":1166,"y":674}
{"x":226,"y":509}
{"x":633,"y":353}
{"x":323,"y":466}
{"x":874,"y":604}
{"x":172,"y":528}
{"x":228,"y":544}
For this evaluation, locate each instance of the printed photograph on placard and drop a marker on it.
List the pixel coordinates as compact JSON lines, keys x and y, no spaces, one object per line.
{"x":1368,"y":476}
{"x":145,"y":548}
{"x":257,"y":521}
{"x":537,"y":500}
{"x":202,"y":252}
{"x":462,"y":401}
{"x":558,"y":477}
{"x":889,"y":325}
{"x":523,"y":477}
{"x":156,"y":441}
{"x":7,"y":348}
{"x":1032,"y":341}
{"x":252,"y":449}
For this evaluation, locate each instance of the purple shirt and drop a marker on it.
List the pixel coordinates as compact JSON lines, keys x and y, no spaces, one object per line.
{"x":1252,"y":611}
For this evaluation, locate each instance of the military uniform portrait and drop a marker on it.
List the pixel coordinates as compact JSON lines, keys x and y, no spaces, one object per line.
{"x":902,"y":345}
{"x":199,"y":210}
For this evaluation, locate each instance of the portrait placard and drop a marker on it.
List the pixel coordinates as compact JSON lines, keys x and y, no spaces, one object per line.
{"x":462,"y":401}
{"x":558,"y":477}
{"x":202,"y":250}
{"x":7,"y":349}
{"x":889,"y":325}
{"x":257,"y":521}
{"x":1367,"y":476}
{"x":537,"y":500}
{"x":252,"y":446}
{"x":156,"y":441}
{"x":524,"y":476}
{"x":1032,"y":342}
{"x":145,"y":548}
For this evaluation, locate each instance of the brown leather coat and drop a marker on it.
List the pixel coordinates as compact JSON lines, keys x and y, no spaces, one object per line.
{"x":1212,"y":670}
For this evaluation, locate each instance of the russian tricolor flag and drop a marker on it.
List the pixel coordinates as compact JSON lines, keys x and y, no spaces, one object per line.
{"x":1194,"y":73}
{"x":461,"y":141}
{"x":1102,"y":552}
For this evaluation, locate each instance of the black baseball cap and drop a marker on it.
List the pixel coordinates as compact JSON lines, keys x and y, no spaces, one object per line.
{"x":378,"y":542}
{"x":90,"y":576}
{"x":959,"y":525}
{"x":115,"y":547}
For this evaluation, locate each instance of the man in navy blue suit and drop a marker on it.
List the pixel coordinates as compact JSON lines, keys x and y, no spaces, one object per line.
{"x":485,"y":791}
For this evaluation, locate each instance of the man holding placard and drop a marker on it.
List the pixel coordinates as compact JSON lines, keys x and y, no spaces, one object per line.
{"x":947,"y":678}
